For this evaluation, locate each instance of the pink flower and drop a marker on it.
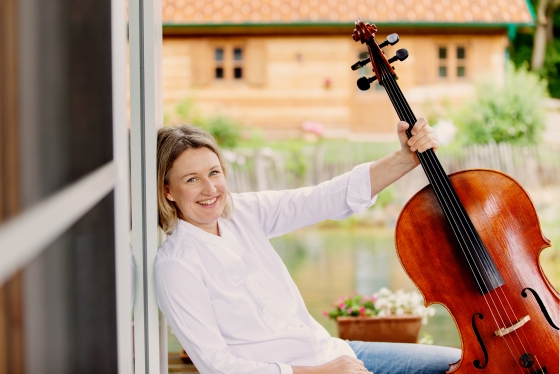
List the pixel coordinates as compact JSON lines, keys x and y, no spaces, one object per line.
{"x":313,"y":127}
{"x":341,"y":305}
{"x":362,"y":311}
{"x":350,"y":310}
{"x":325,"y":313}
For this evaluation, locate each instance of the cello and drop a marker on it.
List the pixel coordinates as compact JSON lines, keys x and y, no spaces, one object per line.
{"x":471,"y":241}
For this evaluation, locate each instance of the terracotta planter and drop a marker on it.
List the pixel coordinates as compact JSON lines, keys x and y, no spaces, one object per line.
{"x":398,"y":329}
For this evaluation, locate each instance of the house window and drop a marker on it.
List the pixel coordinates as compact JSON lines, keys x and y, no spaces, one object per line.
{"x":228,"y":63}
{"x":219,"y":61}
{"x":452,"y":62}
{"x":461,"y":62}
{"x":237,"y":63}
{"x":442,"y":62}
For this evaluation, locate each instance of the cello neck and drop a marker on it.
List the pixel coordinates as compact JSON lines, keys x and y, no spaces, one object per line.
{"x":482,"y":267}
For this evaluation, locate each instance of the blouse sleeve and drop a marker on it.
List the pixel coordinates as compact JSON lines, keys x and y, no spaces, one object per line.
{"x":184,"y":300}
{"x":279,"y":212}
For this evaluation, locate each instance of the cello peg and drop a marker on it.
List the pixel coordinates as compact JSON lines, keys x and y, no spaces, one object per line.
{"x":391,"y":39}
{"x":360,"y":64}
{"x":364,"y":83}
{"x":401,"y":55}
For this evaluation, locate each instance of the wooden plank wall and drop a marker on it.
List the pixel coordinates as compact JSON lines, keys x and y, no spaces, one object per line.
{"x":292,"y":79}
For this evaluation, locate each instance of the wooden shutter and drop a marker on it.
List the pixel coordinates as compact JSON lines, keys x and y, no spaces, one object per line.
{"x":255,"y":65}
{"x":202,"y":63}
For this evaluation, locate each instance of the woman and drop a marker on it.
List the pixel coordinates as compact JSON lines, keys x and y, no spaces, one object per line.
{"x":224,"y":290}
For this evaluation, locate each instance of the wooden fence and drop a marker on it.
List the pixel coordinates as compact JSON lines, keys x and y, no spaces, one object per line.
{"x":255,"y":170}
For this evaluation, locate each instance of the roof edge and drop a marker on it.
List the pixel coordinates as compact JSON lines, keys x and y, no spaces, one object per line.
{"x":345,"y":24}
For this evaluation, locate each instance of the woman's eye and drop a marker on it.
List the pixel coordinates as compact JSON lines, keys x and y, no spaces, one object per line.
{"x":215,"y":172}
{"x":190,"y":180}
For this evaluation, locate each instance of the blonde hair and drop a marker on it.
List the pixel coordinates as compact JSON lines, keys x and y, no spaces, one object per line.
{"x":172,"y":142}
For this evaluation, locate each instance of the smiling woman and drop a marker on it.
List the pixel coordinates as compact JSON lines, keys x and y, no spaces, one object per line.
{"x":224,"y":290}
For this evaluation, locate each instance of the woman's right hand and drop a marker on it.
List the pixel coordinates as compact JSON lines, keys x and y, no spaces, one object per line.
{"x":342,"y":365}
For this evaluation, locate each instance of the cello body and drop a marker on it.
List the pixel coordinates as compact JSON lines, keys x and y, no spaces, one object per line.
{"x":507,"y":223}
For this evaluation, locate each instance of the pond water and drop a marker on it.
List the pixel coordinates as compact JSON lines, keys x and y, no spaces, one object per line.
{"x":327,"y":263}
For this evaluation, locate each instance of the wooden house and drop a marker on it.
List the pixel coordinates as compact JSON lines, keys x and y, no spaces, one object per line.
{"x":275,"y":64}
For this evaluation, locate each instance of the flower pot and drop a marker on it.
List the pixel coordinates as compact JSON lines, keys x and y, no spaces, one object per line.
{"x":398,"y":329}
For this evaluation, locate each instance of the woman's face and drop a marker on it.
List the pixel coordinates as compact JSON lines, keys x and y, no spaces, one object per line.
{"x":198,"y":187}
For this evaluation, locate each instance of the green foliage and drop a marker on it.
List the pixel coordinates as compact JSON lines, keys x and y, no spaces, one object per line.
{"x":513,"y":113}
{"x":551,"y":68}
{"x":226,"y":132}
{"x":297,"y":163}
{"x":387,"y":196}
{"x":522,"y":49}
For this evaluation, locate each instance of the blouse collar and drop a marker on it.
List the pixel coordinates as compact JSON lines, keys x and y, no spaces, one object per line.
{"x":199,"y":233}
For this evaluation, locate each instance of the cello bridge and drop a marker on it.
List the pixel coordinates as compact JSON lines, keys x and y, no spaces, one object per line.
{"x":506,"y":330}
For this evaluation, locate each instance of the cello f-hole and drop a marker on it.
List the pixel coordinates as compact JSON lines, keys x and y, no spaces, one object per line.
{"x":476,"y":363}
{"x":541,"y":305}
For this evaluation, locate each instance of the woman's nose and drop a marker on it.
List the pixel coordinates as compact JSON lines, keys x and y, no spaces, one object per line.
{"x":208,"y":187}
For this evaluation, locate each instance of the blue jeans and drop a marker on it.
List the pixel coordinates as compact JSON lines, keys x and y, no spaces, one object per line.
{"x":402,"y":358}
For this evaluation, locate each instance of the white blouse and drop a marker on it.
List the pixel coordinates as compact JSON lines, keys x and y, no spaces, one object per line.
{"x":230,"y":299}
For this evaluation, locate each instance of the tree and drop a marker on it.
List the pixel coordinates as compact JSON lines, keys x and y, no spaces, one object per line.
{"x":544,"y":34}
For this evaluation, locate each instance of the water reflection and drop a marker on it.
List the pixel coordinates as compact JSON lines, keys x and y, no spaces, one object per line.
{"x":326,"y":264}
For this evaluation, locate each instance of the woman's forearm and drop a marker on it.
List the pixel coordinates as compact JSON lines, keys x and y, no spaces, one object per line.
{"x":387,"y":170}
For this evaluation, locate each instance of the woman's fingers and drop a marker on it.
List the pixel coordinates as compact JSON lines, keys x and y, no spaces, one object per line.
{"x":419,"y":125}
{"x":423,"y":137}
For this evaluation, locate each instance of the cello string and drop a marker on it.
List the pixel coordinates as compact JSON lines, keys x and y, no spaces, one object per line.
{"x":403,"y":112}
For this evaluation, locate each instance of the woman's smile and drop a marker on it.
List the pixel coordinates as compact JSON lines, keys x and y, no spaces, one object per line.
{"x":209,"y":203}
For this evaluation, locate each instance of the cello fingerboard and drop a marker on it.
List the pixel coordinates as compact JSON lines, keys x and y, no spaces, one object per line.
{"x":479,"y":261}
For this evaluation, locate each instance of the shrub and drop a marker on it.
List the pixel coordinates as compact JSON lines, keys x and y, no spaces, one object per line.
{"x":513,"y":113}
{"x":226,"y":132}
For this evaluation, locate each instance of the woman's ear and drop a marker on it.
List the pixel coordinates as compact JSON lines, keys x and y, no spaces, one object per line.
{"x":167,"y":193}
